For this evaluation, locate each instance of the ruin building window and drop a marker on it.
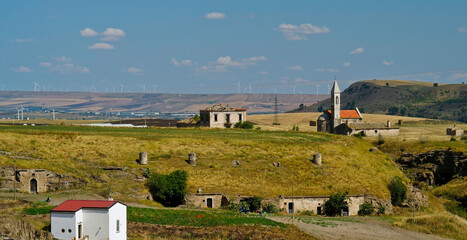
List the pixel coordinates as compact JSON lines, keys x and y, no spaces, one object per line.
{"x":227,"y":118}
{"x":118,"y":225}
{"x":215,"y":117}
{"x":337,"y":100}
{"x":63,"y":230}
{"x":240,"y":117}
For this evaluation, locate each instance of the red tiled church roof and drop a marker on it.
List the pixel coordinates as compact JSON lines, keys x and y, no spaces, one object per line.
{"x":348,"y":114}
{"x":75,"y":205}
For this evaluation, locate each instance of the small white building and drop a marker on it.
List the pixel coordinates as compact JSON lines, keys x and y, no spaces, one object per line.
{"x":89,"y":219}
{"x":219,"y":116}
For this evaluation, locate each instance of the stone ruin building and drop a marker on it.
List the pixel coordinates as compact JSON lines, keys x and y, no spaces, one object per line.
{"x":219,"y":116}
{"x":33,"y":180}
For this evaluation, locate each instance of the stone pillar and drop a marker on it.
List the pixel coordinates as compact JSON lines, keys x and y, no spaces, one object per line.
{"x":317,"y":159}
{"x":192,"y":158}
{"x":143,"y":158}
{"x":388,"y":124}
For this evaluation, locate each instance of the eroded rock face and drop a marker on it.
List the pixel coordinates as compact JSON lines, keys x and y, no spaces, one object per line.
{"x":436,"y":166}
{"x":11,"y":228}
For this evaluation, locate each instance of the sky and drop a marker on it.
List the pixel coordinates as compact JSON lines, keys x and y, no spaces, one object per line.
{"x":221,"y":46}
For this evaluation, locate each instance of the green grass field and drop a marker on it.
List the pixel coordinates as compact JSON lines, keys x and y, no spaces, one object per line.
{"x":196,"y":218}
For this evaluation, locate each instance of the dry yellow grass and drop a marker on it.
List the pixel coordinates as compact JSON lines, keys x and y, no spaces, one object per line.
{"x":78,"y":151}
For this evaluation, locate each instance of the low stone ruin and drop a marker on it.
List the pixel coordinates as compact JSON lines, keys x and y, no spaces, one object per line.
{"x":143,"y":158}
{"x":316,"y":159}
{"x":192,"y":159}
{"x":236,"y":163}
{"x":276,"y":164}
{"x":34,"y":180}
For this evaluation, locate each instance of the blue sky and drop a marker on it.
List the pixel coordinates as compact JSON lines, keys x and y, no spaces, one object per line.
{"x":228,"y":46}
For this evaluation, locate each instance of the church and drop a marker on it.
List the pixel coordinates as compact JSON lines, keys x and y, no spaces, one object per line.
{"x":348,"y":122}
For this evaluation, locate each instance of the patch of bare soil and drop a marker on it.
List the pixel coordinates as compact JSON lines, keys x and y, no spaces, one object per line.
{"x":361,"y":229}
{"x":152,"y":231}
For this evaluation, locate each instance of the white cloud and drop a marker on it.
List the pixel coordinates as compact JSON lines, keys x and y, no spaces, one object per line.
{"x":85,"y":70}
{"x":387,"y":63}
{"x":462,"y":29}
{"x":264,"y":73}
{"x":22,"y":69}
{"x":215,"y":15}
{"x":63,"y":59}
{"x":64,"y":66}
{"x":347,"y":64}
{"x":112,"y":34}
{"x":184,"y":62}
{"x":359,"y":50}
{"x":456,"y":76}
{"x":88,"y":32}
{"x":22,"y":40}
{"x":301,"y":80}
{"x":295,"y":68}
{"x":135,"y":71}
{"x":45,"y":64}
{"x":223,"y":63}
{"x":332,"y":70}
{"x":295,"y":32}
{"x":104,"y":46}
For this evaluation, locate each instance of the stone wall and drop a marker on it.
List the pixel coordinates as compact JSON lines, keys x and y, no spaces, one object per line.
{"x":201,"y":199}
{"x":314,"y":203}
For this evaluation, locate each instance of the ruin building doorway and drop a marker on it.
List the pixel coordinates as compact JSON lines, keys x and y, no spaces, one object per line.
{"x":291,"y":208}
{"x":209,"y":202}
{"x":33,"y":185}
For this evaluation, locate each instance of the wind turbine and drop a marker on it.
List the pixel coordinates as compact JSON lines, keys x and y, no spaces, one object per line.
{"x":144,"y":88}
{"x":238,"y":86}
{"x":317,"y":89}
{"x":37,"y":87}
{"x":121,"y":88}
{"x":294,"y":89}
{"x":250,"y":88}
{"x":18,"y":110}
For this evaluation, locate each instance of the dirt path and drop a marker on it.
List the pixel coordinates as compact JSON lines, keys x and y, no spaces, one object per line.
{"x":353,"y":229}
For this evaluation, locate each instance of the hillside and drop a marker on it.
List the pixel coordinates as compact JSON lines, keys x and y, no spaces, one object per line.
{"x":84,"y":152}
{"x":403,"y":98}
{"x":139,"y":102}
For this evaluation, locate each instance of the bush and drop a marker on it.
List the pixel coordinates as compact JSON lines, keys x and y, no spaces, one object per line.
{"x":269,"y":208}
{"x":244,"y":207}
{"x":398,"y":191}
{"x":146,"y":172}
{"x":169,"y":189}
{"x":380,"y":140}
{"x":254,"y":203}
{"x":295,"y":128}
{"x":244,"y":125}
{"x":335,"y":204}
{"x":366,"y":209}
{"x":381,"y":210}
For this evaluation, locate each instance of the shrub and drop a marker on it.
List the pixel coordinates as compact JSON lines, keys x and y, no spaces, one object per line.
{"x":146,"y":172}
{"x":269,"y":208}
{"x":254,"y":203}
{"x":453,"y":139}
{"x":366,"y":209}
{"x":244,"y":207}
{"x":435,"y":84}
{"x":244,"y":125}
{"x":295,"y":128}
{"x":398,"y":191}
{"x":336,"y":203}
{"x":381,"y":210}
{"x":169,"y":189}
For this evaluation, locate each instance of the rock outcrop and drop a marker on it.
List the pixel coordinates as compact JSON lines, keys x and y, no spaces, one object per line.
{"x":436,"y":167}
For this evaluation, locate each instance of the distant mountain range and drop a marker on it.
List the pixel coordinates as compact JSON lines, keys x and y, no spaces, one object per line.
{"x":404,"y":98}
{"x":145,"y":102}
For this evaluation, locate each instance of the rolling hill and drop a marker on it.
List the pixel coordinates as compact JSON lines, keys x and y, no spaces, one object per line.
{"x":140,"y":102}
{"x":403,"y":98}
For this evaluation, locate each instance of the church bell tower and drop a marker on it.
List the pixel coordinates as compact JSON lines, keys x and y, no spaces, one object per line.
{"x":336,"y":105}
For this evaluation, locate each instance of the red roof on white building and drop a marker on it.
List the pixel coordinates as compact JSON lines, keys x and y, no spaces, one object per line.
{"x":75,"y":205}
